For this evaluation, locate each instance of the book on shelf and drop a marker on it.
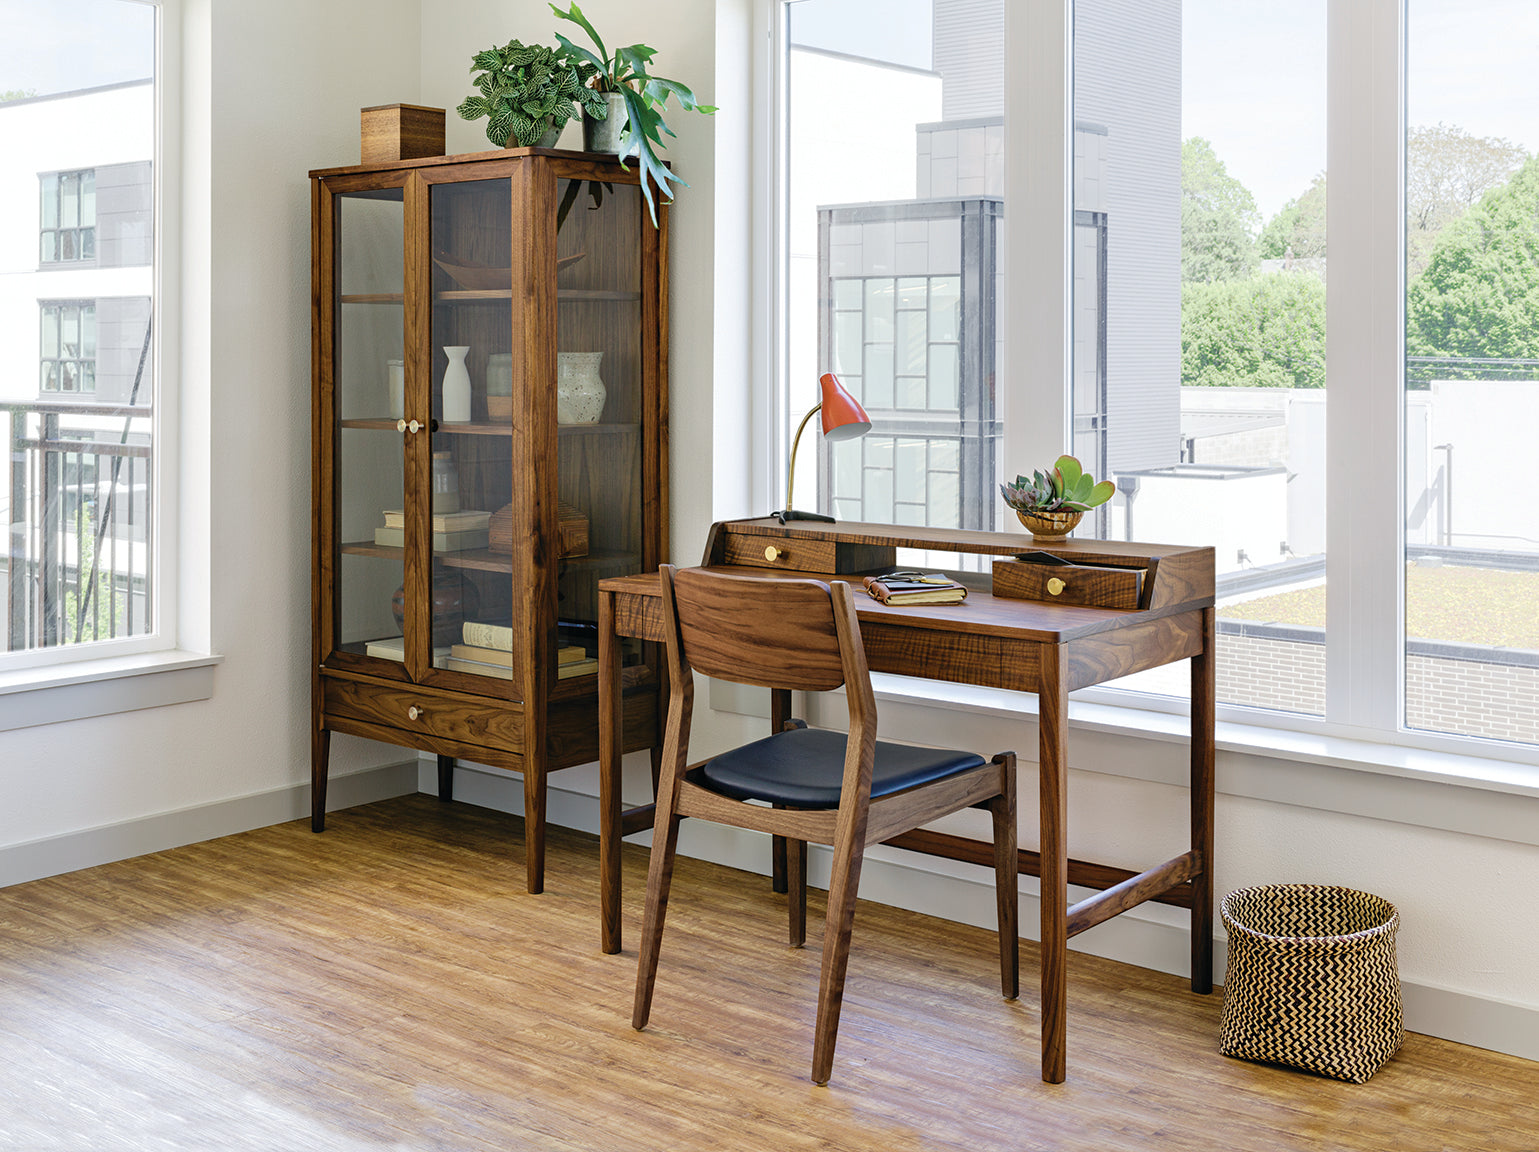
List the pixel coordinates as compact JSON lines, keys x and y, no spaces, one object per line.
{"x":504,"y":656}
{"x":915,"y":588}
{"x":565,"y":671}
{"x":480,"y":634}
{"x":466,"y":521}
{"x":394,"y":648}
{"x":442,"y":541}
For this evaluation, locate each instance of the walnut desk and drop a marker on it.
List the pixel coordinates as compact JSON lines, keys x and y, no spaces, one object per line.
{"x":1042,"y":645}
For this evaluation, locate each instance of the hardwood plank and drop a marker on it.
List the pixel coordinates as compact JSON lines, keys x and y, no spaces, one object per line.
{"x":388,"y":985}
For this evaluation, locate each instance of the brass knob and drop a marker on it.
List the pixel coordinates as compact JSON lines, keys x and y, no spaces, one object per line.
{"x":414,"y":426}
{"x":400,"y":425}
{"x":414,"y":713}
{"x":771,"y":553}
{"x":1055,"y":586}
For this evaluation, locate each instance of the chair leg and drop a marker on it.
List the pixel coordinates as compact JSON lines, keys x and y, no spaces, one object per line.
{"x":659,"y":879}
{"x":1006,"y":873}
{"x":843,"y":884}
{"x":796,"y":891}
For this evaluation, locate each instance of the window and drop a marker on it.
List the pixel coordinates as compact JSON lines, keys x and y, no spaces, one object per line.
{"x":69,"y":346}
{"x":80,"y":394}
{"x":1198,"y":287}
{"x":69,"y":217}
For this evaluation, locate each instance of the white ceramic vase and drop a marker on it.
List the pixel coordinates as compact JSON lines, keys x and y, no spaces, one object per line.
{"x":456,"y":386}
{"x":580,"y":393}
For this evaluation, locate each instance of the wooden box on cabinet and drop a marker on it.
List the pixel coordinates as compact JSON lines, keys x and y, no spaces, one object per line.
{"x":431,"y":276}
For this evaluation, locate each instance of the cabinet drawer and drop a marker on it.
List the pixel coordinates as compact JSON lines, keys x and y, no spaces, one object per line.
{"x":804,"y":554}
{"x":491,"y":724}
{"x":1091,"y":586}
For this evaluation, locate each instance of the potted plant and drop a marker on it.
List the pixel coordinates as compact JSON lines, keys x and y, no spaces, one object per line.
{"x":528,"y":91}
{"x":623,"y":79}
{"x":1051,"y":503}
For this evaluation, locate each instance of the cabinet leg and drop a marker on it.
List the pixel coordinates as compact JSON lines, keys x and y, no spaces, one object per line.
{"x":446,"y":778}
{"x":320,"y":755}
{"x":534,"y":829}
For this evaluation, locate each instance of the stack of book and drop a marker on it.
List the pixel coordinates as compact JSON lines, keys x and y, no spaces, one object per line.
{"x":488,"y":651}
{"x":452,"y":531}
{"x":897,"y":588}
{"x":394,"y":648}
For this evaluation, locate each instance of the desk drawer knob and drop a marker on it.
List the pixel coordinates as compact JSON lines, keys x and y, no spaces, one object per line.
{"x":415,"y":713}
{"x":771,"y":553}
{"x":1055,"y":586}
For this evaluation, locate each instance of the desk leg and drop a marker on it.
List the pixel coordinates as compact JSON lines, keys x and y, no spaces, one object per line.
{"x":610,"y":745}
{"x":1053,"y":766}
{"x":1204,"y":692}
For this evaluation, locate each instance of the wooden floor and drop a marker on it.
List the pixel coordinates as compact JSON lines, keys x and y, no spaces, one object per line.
{"x":388,"y":985}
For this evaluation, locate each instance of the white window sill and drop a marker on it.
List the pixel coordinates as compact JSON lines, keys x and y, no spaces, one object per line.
{"x":57,"y":693}
{"x":1452,"y":791}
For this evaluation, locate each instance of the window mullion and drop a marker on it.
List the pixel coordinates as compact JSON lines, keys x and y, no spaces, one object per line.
{"x":1365,"y":341}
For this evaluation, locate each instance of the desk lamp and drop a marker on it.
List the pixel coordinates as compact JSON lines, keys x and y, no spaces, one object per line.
{"x":843,"y":419}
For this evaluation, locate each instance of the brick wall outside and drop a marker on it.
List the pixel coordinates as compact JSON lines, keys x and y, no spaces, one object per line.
{"x":1496,"y":701}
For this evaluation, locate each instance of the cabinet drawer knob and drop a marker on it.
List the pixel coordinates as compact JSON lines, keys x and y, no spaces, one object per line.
{"x":1055,"y":586}
{"x":400,"y":425}
{"x":415,"y":713}
{"x":771,"y":553}
{"x":414,"y":426}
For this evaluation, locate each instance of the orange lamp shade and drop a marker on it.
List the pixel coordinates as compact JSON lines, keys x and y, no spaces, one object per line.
{"x":843,"y":417}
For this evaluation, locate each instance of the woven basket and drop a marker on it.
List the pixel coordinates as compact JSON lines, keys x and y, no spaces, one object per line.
{"x":1312,"y":981}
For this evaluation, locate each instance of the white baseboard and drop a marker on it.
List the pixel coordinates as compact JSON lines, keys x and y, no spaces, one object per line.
{"x":55,"y":855}
{"x":965,"y":893}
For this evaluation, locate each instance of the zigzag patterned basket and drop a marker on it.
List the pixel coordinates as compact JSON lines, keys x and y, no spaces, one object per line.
{"x":1312,"y":981}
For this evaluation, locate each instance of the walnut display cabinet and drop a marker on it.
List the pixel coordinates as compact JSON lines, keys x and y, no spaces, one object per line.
{"x":490,"y":441}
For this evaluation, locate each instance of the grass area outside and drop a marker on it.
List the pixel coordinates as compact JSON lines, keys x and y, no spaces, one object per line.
{"x":1455,"y":604}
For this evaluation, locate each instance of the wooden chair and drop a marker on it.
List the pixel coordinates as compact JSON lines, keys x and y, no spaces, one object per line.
{"x":822,"y":787}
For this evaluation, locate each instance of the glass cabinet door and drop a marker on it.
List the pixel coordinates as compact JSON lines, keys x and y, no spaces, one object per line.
{"x":471,"y":382}
{"x":599,"y":406}
{"x":370,"y":382}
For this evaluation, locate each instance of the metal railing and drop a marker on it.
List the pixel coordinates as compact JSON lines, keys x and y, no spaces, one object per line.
{"x":81,"y":533}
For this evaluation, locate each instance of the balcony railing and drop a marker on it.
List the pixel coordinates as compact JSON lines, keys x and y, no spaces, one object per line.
{"x":78,"y":565}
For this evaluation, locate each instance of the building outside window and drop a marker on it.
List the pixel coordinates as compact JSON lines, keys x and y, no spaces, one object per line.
{"x":80,"y":389}
{"x":69,"y":216}
{"x":1197,"y":297}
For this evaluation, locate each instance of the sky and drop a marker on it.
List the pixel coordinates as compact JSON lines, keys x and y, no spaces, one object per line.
{"x":1253,"y":81}
{"x":60,"y":45}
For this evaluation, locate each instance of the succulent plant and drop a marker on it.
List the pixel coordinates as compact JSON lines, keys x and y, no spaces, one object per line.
{"x":1065,"y":488}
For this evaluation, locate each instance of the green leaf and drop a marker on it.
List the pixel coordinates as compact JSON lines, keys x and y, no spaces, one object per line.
{"x":574,"y":14}
{"x":601,"y":66}
{"x":1068,"y":469}
{"x":1101,"y":493}
{"x":657,"y":90}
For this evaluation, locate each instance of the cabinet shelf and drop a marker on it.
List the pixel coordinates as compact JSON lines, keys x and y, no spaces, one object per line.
{"x":488,"y":428}
{"x":484,"y":560}
{"x":491,"y":295}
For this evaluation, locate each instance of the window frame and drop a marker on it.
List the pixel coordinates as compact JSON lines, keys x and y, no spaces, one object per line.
{"x":1366,"y":65}
{"x":59,"y":228}
{"x":26,"y":672}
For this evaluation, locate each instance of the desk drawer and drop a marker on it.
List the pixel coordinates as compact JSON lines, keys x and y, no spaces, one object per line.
{"x":793,"y":554}
{"x":1086,"y":585}
{"x":489,"y":723}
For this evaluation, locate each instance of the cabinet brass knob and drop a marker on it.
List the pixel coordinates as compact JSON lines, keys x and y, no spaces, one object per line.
{"x":414,"y":713}
{"x":1055,"y":586}
{"x":400,"y":425}
{"x":414,"y":426}
{"x":771,"y":553}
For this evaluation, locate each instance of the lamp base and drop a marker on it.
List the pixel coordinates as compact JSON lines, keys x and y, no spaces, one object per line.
{"x":793,"y":514}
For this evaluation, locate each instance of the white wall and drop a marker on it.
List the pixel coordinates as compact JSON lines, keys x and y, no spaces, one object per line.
{"x":1460,"y":864}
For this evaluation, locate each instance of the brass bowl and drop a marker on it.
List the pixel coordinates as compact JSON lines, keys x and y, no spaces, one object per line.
{"x":1049,"y":525}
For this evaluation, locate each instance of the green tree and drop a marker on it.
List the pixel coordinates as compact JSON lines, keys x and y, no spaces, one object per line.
{"x":1299,"y":225}
{"x":1218,"y":218}
{"x":1447,"y":171}
{"x":1267,"y":331}
{"x":1479,"y":295}
{"x":16,"y":94}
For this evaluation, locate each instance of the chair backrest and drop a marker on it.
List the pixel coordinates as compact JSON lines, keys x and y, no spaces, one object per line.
{"x":771,"y":632}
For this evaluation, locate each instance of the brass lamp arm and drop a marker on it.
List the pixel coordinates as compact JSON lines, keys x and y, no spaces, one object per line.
{"x":795,"y":444}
